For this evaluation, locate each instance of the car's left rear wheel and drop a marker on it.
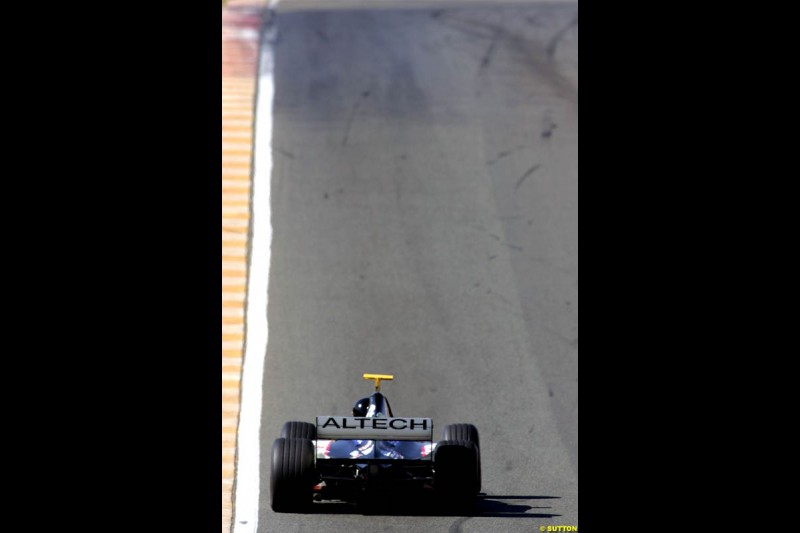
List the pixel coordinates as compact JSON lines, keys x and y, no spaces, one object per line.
{"x":292,"y":475}
{"x":298,"y":430}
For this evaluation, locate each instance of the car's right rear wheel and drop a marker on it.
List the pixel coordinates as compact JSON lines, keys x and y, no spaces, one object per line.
{"x":456,"y":480}
{"x":461,"y":432}
{"x":465,"y":432}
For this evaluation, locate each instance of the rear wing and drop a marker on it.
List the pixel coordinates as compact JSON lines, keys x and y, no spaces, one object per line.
{"x":377,"y":428}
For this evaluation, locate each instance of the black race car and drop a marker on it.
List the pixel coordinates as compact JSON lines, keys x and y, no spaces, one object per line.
{"x":346,"y":458}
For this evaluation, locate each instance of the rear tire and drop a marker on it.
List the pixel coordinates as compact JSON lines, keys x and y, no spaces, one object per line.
{"x":292,"y":475}
{"x":465,"y":432}
{"x":461,"y":432}
{"x":298,"y":430}
{"x":456,"y":478}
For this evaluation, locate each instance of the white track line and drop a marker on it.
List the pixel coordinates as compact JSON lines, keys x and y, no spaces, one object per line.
{"x":248,"y":464}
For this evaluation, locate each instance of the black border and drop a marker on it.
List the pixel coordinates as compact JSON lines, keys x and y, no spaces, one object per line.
{"x":127,"y":300}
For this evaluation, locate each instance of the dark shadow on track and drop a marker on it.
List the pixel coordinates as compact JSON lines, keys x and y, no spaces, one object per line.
{"x":487,"y":506}
{"x":494,"y":506}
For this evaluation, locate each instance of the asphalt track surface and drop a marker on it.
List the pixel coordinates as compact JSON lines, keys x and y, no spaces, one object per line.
{"x":425,"y":224}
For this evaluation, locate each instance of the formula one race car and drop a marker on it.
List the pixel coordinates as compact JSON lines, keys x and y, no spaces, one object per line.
{"x":344,"y":458}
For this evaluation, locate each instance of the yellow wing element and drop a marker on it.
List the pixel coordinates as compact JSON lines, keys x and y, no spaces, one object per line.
{"x":377,"y":379}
